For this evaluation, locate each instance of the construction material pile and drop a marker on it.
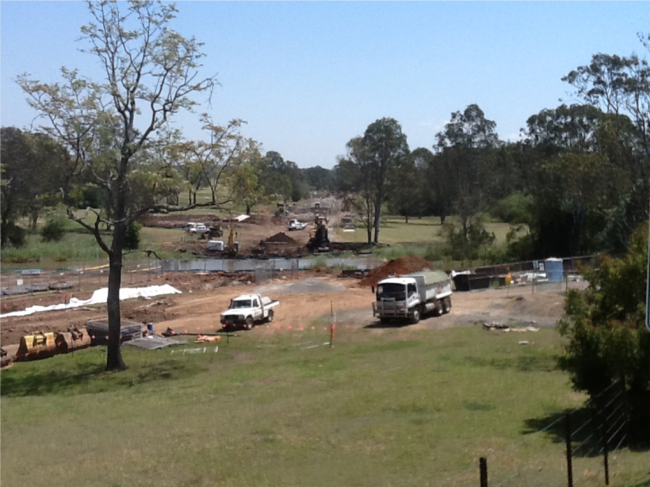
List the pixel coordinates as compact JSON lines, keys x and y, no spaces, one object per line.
{"x":395,"y":267}
{"x":280,"y":238}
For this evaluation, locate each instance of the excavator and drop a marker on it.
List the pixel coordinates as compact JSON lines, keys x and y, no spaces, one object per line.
{"x":318,"y":239}
{"x":232,"y":247}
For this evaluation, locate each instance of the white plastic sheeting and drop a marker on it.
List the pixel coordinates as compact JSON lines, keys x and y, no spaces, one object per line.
{"x":99,"y":297}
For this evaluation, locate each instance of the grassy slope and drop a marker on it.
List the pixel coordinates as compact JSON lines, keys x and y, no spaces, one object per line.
{"x":395,"y":408}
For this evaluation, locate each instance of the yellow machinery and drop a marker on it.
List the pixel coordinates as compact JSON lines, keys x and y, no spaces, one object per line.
{"x":38,"y":345}
{"x":232,"y":246}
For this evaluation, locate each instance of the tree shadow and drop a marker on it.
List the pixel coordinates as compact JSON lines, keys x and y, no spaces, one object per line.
{"x":89,"y":377}
{"x":586,"y":432}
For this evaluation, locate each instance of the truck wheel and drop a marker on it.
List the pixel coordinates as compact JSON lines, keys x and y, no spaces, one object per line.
{"x":446,"y":305}
{"x":415,"y":316}
{"x":249,"y":323}
{"x":438,"y":310}
{"x":269,"y":318}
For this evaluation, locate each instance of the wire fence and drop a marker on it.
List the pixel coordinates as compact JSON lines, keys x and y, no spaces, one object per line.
{"x":583,"y":441}
{"x":84,"y":278}
{"x":550,"y":275}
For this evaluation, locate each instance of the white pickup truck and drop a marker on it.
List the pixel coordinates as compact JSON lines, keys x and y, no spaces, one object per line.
{"x":296,"y":225}
{"x":247,"y":310}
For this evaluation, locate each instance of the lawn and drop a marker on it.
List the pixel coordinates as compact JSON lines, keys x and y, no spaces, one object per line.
{"x":394,"y":230}
{"x":384,"y":407}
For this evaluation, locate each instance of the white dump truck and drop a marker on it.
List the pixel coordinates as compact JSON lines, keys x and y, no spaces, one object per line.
{"x":410,"y":296}
{"x":247,"y":310}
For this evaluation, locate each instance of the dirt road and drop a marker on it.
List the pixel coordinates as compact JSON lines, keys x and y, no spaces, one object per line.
{"x":305,"y":300}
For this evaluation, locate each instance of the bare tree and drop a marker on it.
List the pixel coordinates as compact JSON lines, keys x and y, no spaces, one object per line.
{"x":116,"y":128}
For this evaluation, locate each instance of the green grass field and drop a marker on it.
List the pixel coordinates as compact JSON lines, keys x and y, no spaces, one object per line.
{"x":392,"y":407}
{"x":394,"y":231}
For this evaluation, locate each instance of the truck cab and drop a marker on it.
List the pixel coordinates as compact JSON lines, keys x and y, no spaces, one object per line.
{"x":247,"y":310}
{"x":296,"y":225}
{"x":411,"y":296}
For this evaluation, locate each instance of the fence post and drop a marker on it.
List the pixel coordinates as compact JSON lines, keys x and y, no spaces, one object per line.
{"x":569,"y":466}
{"x":604,"y":439}
{"x":482,"y":463}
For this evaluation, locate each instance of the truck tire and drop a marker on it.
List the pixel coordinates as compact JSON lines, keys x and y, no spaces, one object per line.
{"x":250,"y":324}
{"x":269,"y":317}
{"x":438,"y":310}
{"x":446,"y":305}
{"x":415,"y":316}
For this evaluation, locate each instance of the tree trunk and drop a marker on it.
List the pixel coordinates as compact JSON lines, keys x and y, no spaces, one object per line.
{"x":248,"y":209}
{"x":114,"y":360}
{"x":3,"y":233}
{"x":407,"y":219}
{"x":378,"y":215}
{"x":114,"y":356}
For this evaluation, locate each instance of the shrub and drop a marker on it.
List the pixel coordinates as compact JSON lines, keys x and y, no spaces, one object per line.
{"x":55,"y":228}
{"x":516,"y":208}
{"x":16,"y":235}
{"x":132,"y":236}
{"x":466,"y":246}
{"x":607,"y":338}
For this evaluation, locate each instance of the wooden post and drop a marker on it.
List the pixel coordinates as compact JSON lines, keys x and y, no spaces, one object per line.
{"x":332,"y":324}
{"x":604,"y":439}
{"x":482,"y":463}
{"x":569,"y":466}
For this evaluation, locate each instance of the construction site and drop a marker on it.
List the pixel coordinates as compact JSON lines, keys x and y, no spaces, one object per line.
{"x":267,"y":234}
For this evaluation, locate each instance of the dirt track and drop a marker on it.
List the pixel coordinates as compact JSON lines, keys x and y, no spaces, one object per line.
{"x":302,"y":301}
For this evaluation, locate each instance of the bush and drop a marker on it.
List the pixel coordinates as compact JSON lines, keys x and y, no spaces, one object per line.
{"x":607,"y":338}
{"x":466,"y":246}
{"x":132,"y":236}
{"x":55,"y":228}
{"x":16,"y":235}
{"x":516,"y":208}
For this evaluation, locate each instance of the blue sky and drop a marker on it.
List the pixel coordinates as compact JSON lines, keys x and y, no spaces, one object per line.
{"x":308,"y":76}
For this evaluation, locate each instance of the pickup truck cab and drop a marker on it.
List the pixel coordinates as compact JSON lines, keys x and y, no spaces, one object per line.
{"x":296,"y":225}
{"x":247,"y":310}
{"x":199,"y":228}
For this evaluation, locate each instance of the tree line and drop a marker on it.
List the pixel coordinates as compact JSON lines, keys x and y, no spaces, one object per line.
{"x":579,"y":177}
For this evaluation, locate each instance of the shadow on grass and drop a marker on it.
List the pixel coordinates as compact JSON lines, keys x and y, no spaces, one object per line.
{"x":586,"y":432}
{"x":390,"y":324}
{"x":87,"y":375}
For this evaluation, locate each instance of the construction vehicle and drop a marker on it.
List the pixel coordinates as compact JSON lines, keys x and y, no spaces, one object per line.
{"x":247,"y":310}
{"x":232,"y":247}
{"x":411,"y":296}
{"x":318,"y":236}
{"x":296,"y":225}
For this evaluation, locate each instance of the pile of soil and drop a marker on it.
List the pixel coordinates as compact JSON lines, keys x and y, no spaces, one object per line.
{"x":281,"y":238}
{"x":395,"y":267}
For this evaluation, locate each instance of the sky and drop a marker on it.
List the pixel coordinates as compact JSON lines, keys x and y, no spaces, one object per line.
{"x":309,"y":76}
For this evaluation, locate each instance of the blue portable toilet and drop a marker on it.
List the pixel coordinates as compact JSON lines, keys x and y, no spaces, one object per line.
{"x":554,"y":270}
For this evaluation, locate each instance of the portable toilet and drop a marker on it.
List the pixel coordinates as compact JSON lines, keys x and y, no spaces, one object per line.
{"x":554,"y":269}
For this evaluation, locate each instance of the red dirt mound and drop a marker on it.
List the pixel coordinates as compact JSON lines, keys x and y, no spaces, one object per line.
{"x":403,"y":265}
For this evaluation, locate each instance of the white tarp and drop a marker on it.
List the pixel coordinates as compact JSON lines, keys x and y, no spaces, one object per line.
{"x":99,"y":297}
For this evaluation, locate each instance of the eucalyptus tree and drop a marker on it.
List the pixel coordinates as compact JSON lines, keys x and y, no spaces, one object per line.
{"x":115,"y":127}
{"x":385,"y":147}
{"x":463,"y":150}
